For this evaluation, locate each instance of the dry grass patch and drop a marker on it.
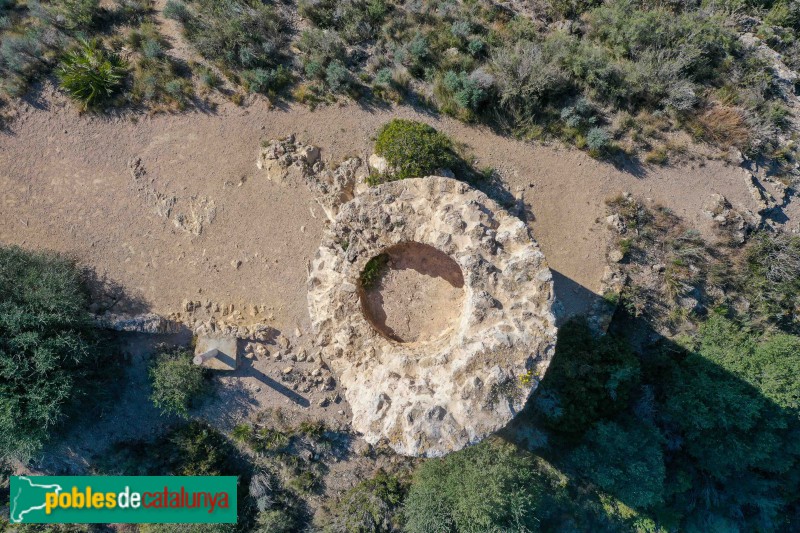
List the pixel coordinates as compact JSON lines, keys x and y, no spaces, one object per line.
{"x":723,"y":126}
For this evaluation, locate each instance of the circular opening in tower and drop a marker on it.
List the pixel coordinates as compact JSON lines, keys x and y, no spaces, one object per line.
{"x":412,"y":292}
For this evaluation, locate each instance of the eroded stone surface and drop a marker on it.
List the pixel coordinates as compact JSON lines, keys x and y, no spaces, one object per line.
{"x":331,"y":186}
{"x":432,"y":397}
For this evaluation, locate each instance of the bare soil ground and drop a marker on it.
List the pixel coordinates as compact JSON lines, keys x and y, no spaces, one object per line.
{"x":204,"y":223}
{"x":419,"y":297}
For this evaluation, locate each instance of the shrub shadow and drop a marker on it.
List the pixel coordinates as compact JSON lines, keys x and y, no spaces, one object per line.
{"x":719,"y":449}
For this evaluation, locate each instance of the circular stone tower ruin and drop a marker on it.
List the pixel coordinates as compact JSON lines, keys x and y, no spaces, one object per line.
{"x":433,"y":307}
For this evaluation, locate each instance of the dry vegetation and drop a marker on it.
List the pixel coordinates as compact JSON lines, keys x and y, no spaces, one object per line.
{"x":595,"y":76}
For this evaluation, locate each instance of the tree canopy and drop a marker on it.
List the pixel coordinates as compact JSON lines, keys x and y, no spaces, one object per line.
{"x":46,"y":346}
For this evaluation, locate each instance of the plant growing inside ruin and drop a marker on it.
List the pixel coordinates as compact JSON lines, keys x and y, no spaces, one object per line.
{"x":373,"y":271}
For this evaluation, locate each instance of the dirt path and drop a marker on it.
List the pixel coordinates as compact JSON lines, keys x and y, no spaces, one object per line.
{"x":66,"y":183}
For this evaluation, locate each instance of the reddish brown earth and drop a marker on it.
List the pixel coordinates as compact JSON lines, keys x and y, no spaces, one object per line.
{"x":66,"y":185}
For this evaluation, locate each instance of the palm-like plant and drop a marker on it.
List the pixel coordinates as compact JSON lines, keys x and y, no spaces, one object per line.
{"x":91,"y":75}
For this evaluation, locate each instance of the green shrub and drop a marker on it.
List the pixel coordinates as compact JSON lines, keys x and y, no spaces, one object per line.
{"x":354,"y":20}
{"x":580,"y":116}
{"x":187,"y":449}
{"x":771,"y":363}
{"x":719,"y":427}
{"x":598,"y":140}
{"x":47,"y":347}
{"x":338,"y":77}
{"x":488,"y":487}
{"x":23,"y":57}
{"x":177,"y":10}
{"x":528,"y":76}
{"x":157,"y":82}
{"x":91,"y":75}
{"x":771,"y":279}
{"x":277,"y":521}
{"x":323,"y":58}
{"x":177,"y":382}
{"x":413,"y":149}
{"x":320,"y":12}
{"x":132,"y":11}
{"x":267,"y":81}
{"x":373,"y":271}
{"x":384,"y":77}
{"x":239,"y":34}
{"x":372,"y":505}
{"x":466,"y":91}
{"x":76,"y":15}
{"x":627,"y":462}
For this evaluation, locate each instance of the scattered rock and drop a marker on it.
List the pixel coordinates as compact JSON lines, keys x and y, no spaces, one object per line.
{"x":332,"y":187}
{"x":361,"y":448}
{"x":378,"y":164}
{"x":730,"y":221}
{"x":715,"y":205}
{"x":283,"y":342}
{"x":147,"y":323}
{"x":762,"y":198}
{"x":615,"y":223}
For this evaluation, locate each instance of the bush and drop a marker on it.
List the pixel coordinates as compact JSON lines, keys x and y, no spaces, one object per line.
{"x":624,"y":461}
{"x":528,"y":77}
{"x":372,"y":505}
{"x":771,"y":363}
{"x":277,"y":521}
{"x":90,"y":74}
{"x":267,"y":81}
{"x":338,"y":77}
{"x":413,"y":149}
{"x":158,"y":79}
{"x":598,"y":140}
{"x":47,"y":347}
{"x":177,"y":382}
{"x":77,"y":15}
{"x":354,"y":20}
{"x":467,"y":91}
{"x":237,"y":33}
{"x":189,"y":449}
{"x":771,"y":279}
{"x":322,"y":49}
{"x":177,"y":10}
{"x":488,"y":487}
{"x":718,"y":427}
